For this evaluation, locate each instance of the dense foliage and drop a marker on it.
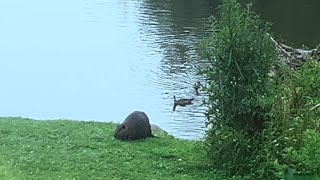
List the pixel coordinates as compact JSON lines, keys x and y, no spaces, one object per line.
{"x":261,"y":127}
{"x":241,"y":55}
{"x":293,"y":132}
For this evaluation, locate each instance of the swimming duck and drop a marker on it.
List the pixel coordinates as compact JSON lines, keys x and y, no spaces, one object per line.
{"x":181,"y":102}
{"x":197,"y":86}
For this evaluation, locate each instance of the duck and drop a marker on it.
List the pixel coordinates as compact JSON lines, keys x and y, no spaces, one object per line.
{"x":181,"y":102}
{"x":197,"y":86}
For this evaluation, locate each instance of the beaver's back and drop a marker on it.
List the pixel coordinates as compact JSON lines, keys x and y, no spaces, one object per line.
{"x":135,"y":126}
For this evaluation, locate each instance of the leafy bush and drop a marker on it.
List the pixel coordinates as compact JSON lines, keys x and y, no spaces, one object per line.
{"x":306,"y":80}
{"x":241,"y":54}
{"x":294,"y":126}
{"x":259,"y":126}
{"x":307,"y":158}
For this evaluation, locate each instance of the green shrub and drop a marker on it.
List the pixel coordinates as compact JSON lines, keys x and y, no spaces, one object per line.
{"x":231,"y":147}
{"x":260,"y":127}
{"x":294,"y":126}
{"x":241,"y":55}
{"x":306,"y":159}
{"x":307,"y":81}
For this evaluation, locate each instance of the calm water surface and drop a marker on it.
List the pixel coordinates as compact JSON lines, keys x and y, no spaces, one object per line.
{"x":102,"y":59}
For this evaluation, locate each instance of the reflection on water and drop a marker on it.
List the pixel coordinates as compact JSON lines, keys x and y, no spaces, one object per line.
{"x":294,"y":21}
{"x":102,"y":59}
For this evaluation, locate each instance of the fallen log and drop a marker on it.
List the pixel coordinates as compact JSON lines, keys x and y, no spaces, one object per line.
{"x":295,"y":57}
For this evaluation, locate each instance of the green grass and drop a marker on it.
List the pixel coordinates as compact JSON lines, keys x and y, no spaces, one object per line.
{"x":63,"y":149}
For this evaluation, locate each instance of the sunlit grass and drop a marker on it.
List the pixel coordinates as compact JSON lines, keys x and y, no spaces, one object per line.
{"x":63,"y":149}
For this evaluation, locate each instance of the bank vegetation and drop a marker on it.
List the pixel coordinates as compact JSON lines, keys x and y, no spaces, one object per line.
{"x":263,"y":113}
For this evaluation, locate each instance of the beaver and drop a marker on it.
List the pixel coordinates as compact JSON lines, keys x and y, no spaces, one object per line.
{"x":135,"y":126}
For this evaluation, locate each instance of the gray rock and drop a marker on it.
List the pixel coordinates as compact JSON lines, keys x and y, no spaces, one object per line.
{"x":135,"y":126}
{"x":156,"y":129}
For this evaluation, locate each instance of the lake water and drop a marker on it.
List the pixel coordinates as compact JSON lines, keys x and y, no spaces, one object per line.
{"x":99,"y":60}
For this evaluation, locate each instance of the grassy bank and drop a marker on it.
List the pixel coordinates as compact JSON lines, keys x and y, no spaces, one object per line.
{"x":63,"y":149}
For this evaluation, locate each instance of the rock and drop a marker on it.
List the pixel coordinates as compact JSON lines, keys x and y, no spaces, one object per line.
{"x":157,"y":130}
{"x":135,"y":126}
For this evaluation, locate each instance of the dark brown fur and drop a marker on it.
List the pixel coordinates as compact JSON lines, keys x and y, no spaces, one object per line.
{"x":135,"y":126}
